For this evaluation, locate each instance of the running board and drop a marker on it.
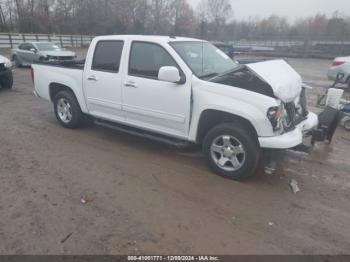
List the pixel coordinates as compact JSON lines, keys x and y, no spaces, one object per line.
{"x":180,"y":144}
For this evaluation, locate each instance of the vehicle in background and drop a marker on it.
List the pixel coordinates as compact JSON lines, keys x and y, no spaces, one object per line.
{"x":6,"y":78}
{"x":340,"y":71}
{"x":28,"y":53}
{"x":229,"y":50}
{"x":182,"y":91}
{"x":226,"y":48}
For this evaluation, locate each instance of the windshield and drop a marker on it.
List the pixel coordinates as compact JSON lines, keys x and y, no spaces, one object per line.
{"x":204,"y":59}
{"x":48,"y":47}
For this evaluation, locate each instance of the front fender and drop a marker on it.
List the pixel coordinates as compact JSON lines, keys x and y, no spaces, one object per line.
{"x":254,"y":113}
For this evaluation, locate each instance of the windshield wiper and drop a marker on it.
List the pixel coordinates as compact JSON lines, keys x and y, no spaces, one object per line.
{"x":209,"y":75}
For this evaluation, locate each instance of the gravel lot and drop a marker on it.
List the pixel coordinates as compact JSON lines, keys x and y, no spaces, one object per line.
{"x":144,"y":197}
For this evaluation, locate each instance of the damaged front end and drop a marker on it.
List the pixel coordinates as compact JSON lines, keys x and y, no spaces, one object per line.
{"x":291,"y":120}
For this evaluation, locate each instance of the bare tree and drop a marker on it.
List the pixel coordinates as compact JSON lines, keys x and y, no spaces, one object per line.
{"x":218,"y":13}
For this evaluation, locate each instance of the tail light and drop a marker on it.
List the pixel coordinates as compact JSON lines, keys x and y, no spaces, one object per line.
{"x":338,"y":63}
{"x":32,"y":73}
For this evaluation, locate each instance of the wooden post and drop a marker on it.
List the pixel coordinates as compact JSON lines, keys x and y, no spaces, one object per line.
{"x":10,"y":38}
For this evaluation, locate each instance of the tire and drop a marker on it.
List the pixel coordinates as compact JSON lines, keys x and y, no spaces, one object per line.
{"x":67,"y":110}
{"x":7,"y":81}
{"x":231,"y":151}
{"x":17,"y":62}
{"x":347,"y":125}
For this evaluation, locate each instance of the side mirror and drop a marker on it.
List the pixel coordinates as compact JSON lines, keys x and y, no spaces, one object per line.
{"x":33,"y":50}
{"x":170,"y":74}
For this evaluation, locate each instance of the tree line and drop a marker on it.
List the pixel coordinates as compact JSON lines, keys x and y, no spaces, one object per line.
{"x":212,"y":20}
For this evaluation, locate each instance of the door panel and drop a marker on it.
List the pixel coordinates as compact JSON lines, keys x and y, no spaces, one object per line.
{"x":26,"y":55}
{"x":157,"y":105}
{"x":103,"y":81}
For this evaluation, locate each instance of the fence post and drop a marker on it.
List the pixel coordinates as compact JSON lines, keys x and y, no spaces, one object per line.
{"x":24,"y":37}
{"x":81,"y":41}
{"x":49,"y":37}
{"x":71,"y":39}
{"x":10,"y":38}
{"x":61,"y":40}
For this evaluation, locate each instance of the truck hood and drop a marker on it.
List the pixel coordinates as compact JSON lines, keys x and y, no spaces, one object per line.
{"x":58,"y":53}
{"x":285,"y":82}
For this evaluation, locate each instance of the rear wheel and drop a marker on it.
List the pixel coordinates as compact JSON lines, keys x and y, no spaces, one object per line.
{"x":67,"y":110}
{"x":231,"y":152}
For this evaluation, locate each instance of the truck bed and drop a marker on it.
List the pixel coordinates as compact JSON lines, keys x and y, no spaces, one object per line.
{"x":72,"y":64}
{"x":63,"y":73}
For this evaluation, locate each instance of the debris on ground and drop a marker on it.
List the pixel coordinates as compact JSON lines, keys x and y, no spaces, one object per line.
{"x":66,"y":238}
{"x":271,"y":224}
{"x":83,"y":201}
{"x":271,"y":167}
{"x":294,"y":186}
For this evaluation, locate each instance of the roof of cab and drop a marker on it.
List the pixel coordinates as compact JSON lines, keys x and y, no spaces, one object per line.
{"x":151,"y":38}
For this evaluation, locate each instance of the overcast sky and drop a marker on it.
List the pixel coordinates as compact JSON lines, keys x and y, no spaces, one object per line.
{"x":290,"y":8}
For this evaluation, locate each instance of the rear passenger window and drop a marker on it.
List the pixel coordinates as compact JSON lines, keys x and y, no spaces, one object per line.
{"x":146,"y":59}
{"x":107,"y":56}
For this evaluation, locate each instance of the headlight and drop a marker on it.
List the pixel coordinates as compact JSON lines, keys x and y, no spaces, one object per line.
{"x":8,"y":64}
{"x":274,"y":114}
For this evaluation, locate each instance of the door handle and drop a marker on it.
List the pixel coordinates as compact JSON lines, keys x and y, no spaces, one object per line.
{"x":130,"y":84}
{"x":92,"y":78}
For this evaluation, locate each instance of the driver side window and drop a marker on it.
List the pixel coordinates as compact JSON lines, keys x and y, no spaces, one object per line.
{"x":26,"y":47}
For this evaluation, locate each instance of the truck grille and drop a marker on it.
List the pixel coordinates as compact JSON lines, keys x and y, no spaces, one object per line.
{"x":296,"y":113}
{"x":65,"y":58}
{"x":291,"y":115}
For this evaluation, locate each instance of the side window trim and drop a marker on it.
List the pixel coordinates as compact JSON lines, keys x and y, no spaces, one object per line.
{"x":93,"y":57}
{"x":156,"y":44}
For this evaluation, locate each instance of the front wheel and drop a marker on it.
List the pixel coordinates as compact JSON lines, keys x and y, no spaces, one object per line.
{"x":7,"y":81}
{"x":67,"y":110}
{"x":231,"y":151}
{"x":347,"y":125}
{"x":17,"y":62}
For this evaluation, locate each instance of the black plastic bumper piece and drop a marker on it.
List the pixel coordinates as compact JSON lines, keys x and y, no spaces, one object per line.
{"x":329,"y":120}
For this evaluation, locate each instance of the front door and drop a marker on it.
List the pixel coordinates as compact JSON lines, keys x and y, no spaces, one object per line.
{"x":156,"y":105}
{"x":26,"y":54}
{"x":102,"y":81}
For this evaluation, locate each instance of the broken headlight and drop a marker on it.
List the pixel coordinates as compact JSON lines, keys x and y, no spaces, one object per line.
{"x":274,"y":114}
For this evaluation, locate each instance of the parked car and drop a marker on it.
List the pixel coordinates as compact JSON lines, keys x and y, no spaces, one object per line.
{"x":166,"y":89}
{"x":28,"y":53}
{"x":340,"y":71}
{"x":6,"y":78}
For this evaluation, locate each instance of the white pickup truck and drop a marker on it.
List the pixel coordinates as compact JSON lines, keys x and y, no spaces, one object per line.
{"x":182,"y":90}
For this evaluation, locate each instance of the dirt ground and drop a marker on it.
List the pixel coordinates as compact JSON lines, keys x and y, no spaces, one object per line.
{"x":144,"y":197}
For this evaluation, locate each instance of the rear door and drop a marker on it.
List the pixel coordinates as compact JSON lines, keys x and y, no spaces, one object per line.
{"x":152,"y":104}
{"x":102,"y":80}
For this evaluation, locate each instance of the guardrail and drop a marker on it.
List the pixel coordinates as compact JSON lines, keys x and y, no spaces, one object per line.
{"x":10,"y":40}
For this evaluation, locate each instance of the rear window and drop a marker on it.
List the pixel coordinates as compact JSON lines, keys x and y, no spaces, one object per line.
{"x":107,"y":56}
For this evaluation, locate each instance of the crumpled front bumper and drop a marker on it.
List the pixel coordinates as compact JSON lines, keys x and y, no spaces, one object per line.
{"x":293,"y":138}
